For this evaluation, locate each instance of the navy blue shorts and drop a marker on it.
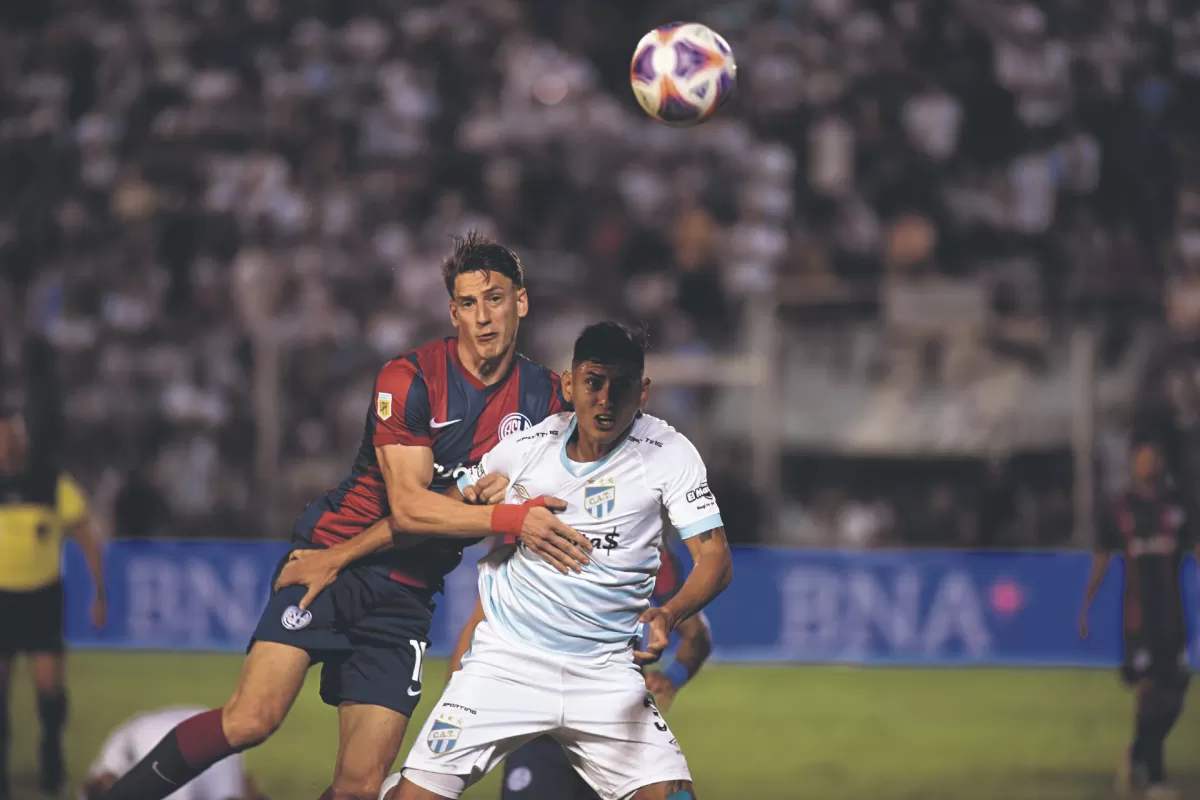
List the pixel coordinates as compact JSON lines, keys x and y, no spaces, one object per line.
{"x":540,"y":771}
{"x":368,"y":632}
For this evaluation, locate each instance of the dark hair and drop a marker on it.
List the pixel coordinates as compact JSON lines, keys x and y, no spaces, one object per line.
{"x":611,"y":343}
{"x":477,"y":253}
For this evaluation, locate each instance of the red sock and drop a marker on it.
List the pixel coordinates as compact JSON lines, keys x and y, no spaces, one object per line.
{"x":201,"y":740}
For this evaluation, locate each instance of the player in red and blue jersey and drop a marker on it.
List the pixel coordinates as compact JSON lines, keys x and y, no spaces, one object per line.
{"x":389,"y":537}
{"x":540,"y":770}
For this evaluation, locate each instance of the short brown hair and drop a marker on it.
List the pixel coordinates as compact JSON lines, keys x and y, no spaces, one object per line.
{"x":477,"y":253}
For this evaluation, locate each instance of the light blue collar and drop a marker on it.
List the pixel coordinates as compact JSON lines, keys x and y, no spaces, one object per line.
{"x":583,"y":469}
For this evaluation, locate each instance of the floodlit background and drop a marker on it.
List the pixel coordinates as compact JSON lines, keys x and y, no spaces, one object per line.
{"x":909,"y":293}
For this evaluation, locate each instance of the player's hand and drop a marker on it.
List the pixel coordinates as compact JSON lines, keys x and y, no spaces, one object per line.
{"x":314,"y":569}
{"x":661,"y":622}
{"x":99,"y":612}
{"x":1083,"y":625}
{"x":555,"y":541}
{"x":487,"y":491}
{"x":663,"y":690}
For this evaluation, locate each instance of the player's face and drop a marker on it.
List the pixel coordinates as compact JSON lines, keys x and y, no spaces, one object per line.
{"x":606,"y":398}
{"x":1147,"y":464}
{"x":486,"y":308}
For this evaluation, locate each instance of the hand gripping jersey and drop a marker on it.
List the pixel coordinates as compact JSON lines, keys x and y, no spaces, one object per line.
{"x":426,"y":398}
{"x":617,"y":503}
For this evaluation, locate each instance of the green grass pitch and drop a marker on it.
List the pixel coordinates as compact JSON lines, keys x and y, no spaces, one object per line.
{"x":750,"y":732}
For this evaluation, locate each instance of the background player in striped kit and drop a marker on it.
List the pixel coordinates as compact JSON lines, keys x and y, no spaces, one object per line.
{"x":1152,"y":527}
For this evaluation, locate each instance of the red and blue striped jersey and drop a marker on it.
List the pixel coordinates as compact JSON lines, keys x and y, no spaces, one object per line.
{"x":426,"y":398}
{"x":671,"y":575}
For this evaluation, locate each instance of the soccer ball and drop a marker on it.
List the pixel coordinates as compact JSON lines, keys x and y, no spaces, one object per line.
{"x":682,"y":73}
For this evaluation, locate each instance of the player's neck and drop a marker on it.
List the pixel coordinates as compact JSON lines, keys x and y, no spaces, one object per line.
{"x":582,"y":450}
{"x":488,"y":371}
{"x":1145,"y":491}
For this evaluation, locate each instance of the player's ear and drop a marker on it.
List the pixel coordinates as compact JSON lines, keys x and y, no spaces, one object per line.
{"x":566,"y":385}
{"x":645,"y":398}
{"x":522,"y":303}
{"x":453,"y":313}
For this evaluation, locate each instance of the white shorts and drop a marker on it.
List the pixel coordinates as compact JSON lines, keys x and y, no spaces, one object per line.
{"x":507,"y":694}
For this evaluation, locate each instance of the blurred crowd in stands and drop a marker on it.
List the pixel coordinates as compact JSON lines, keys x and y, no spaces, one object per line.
{"x":186,"y":181}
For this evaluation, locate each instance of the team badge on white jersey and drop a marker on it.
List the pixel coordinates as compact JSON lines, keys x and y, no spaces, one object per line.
{"x":599,"y":497}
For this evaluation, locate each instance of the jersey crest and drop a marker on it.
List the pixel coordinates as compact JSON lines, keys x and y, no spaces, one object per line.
{"x":600,"y":498}
{"x":383,"y":405}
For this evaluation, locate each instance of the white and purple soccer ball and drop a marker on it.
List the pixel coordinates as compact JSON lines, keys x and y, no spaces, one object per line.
{"x":682,"y":73}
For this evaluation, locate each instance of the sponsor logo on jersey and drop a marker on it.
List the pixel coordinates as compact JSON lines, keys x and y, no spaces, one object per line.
{"x":443,"y":736}
{"x":521,"y":492}
{"x":599,"y":498}
{"x":701,"y":492}
{"x":296,"y":618}
{"x":1163,"y":544}
{"x":513,"y":423}
{"x":452,"y":472}
{"x":383,"y":405}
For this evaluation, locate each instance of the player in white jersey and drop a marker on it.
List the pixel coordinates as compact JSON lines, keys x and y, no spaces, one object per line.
{"x":128,"y":744}
{"x":554,"y":654}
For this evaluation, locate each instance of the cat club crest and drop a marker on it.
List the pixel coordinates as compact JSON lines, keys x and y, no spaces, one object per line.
{"x":443,"y":736}
{"x":600,"y":497}
{"x":383,"y":405}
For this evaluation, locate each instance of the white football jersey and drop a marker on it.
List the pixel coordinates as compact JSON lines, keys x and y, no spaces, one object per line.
{"x":616,"y":502}
{"x":134,"y":740}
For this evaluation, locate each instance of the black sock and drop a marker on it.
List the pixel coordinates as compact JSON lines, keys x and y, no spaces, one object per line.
{"x":1163,"y":708}
{"x":52,"y":709}
{"x":157,"y":775}
{"x":1143,"y":733}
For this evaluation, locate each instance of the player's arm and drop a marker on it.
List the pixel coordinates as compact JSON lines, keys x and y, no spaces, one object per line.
{"x":713,"y":571}
{"x":383,"y":536}
{"x":1108,"y":538}
{"x":79,"y":525}
{"x":695,"y":646}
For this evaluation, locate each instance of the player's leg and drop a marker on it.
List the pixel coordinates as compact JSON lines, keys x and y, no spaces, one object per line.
{"x":420,"y":785}
{"x":49,"y":682}
{"x":1158,"y":672}
{"x":46,"y":645}
{"x":376,"y":685}
{"x":503,"y":697}
{"x":541,"y":771}
{"x":666,"y":790}
{"x":1160,"y":705}
{"x":5,"y":680}
{"x":369,"y":741}
{"x":616,"y":738}
{"x":271,"y":678}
